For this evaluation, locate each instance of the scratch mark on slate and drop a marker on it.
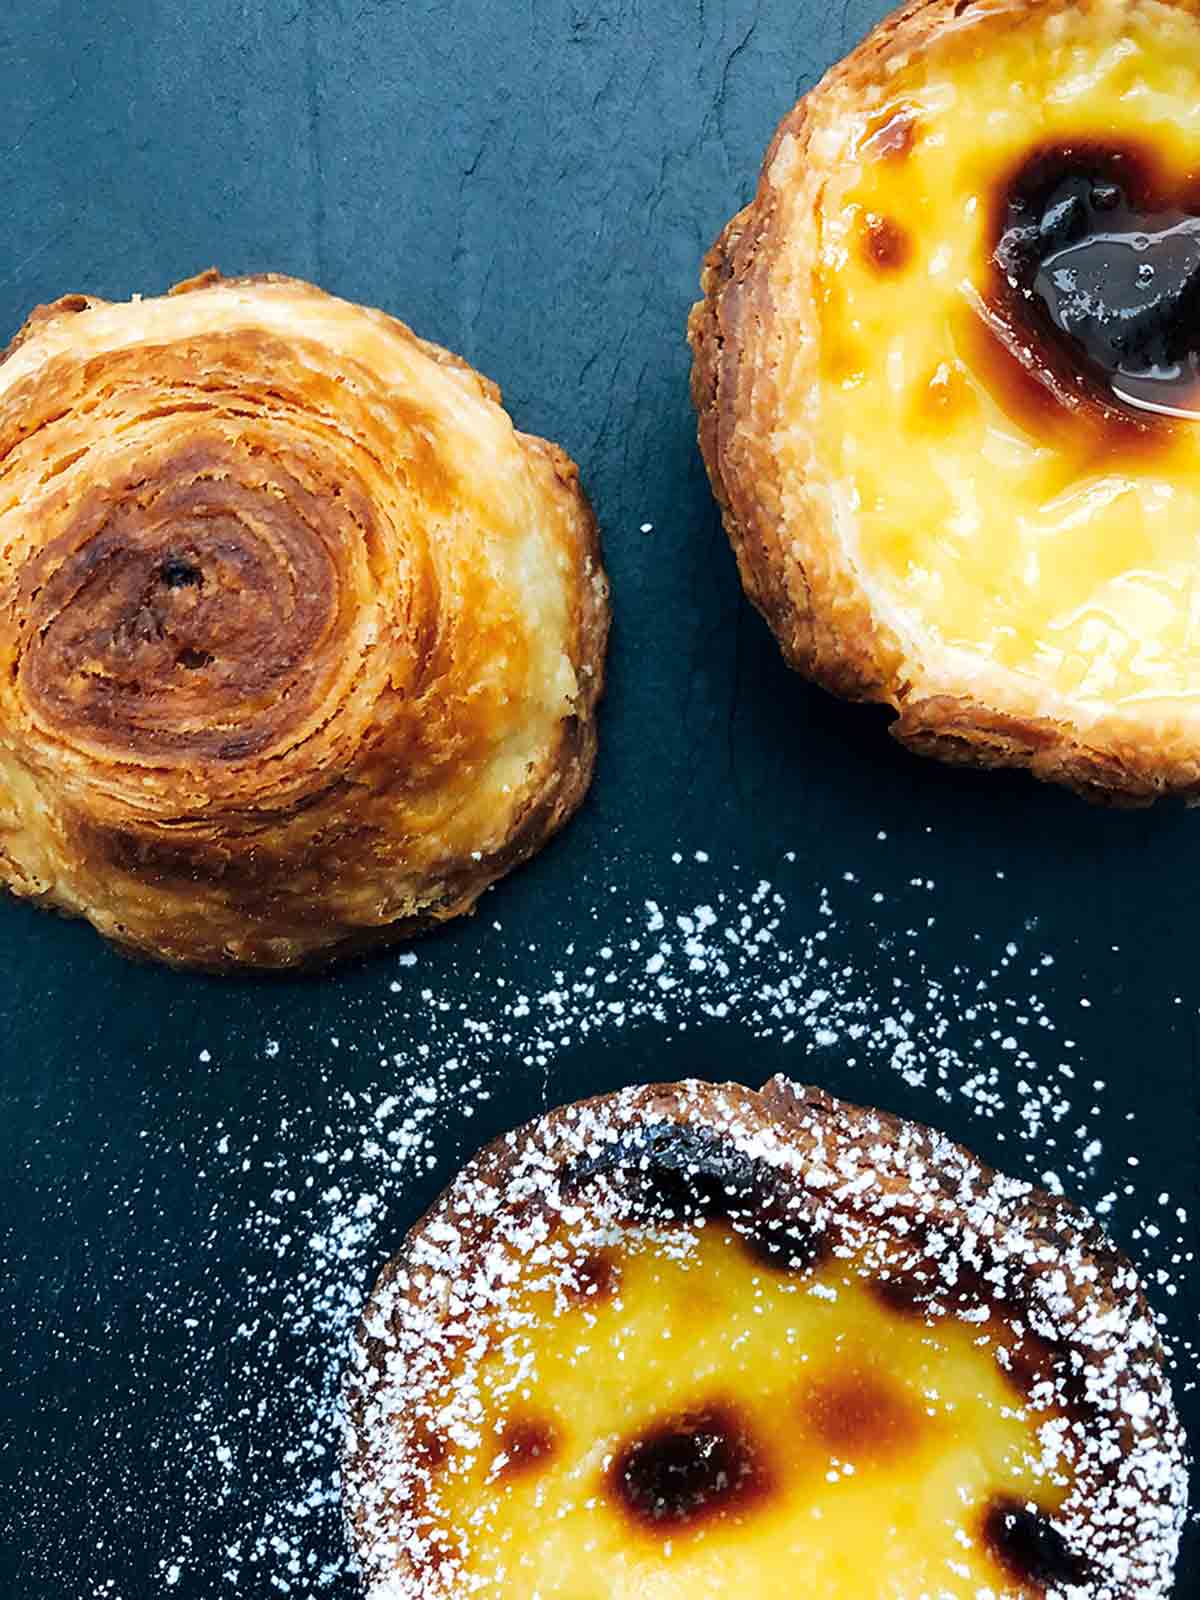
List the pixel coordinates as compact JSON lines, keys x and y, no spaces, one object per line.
{"x":18,"y":267}
{"x":733,"y":55}
{"x":50,"y":112}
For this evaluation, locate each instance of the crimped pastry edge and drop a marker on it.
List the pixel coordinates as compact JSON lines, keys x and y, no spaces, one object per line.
{"x":800,"y":577}
{"x":801,"y":1124}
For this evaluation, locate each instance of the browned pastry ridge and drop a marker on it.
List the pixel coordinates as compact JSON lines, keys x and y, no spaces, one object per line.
{"x":689,"y":1330}
{"x":300,"y":641}
{"x":947,"y":372}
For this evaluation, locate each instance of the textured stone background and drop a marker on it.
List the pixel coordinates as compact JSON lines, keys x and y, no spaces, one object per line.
{"x":531,"y":182}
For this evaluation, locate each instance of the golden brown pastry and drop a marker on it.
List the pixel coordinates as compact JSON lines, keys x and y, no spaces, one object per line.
{"x":947,"y":370}
{"x":691,"y":1342}
{"x":300,"y":641}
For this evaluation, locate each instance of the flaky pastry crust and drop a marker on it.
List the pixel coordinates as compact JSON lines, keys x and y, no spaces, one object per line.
{"x":300,"y":641}
{"x":803,"y":1177}
{"x":773,"y":339}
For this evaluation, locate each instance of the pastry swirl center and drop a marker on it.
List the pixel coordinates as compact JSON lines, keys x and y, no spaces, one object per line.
{"x":182,"y":615}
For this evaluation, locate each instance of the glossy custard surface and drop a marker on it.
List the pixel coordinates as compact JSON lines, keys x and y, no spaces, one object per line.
{"x":1011,"y":446}
{"x":672,"y":1416}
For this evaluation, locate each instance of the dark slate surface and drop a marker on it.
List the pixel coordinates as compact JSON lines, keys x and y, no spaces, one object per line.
{"x":532,"y":183}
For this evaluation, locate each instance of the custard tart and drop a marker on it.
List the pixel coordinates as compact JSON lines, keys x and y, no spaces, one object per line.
{"x":300,"y":640}
{"x":947,"y":371}
{"x":691,"y":1342}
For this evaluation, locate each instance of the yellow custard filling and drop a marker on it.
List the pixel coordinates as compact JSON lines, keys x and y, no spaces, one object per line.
{"x":691,"y":1422}
{"x":1063,"y":552}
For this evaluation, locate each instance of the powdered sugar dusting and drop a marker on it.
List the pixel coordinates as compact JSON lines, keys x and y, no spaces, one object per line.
{"x":248,"y":1421}
{"x":451,"y":1339}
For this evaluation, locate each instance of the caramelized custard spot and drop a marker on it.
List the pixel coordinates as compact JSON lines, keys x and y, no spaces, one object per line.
{"x":430,"y":1448}
{"x":594,"y":1279}
{"x":945,"y":397}
{"x":1025,"y":1542}
{"x":689,"y":1468}
{"x":886,"y":245}
{"x":859,"y":1417}
{"x":680,"y":1179}
{"x":1044,"y":1375}
{"x":907,"y":1292}
{"x":924,"y":1286}
{"x":524,"y":1443}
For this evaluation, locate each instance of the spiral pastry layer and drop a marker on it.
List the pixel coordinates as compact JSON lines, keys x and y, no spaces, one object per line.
{"x":300,"y":640}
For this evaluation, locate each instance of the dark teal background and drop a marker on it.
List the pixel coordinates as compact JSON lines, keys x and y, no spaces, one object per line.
{"x":533,"y":183}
